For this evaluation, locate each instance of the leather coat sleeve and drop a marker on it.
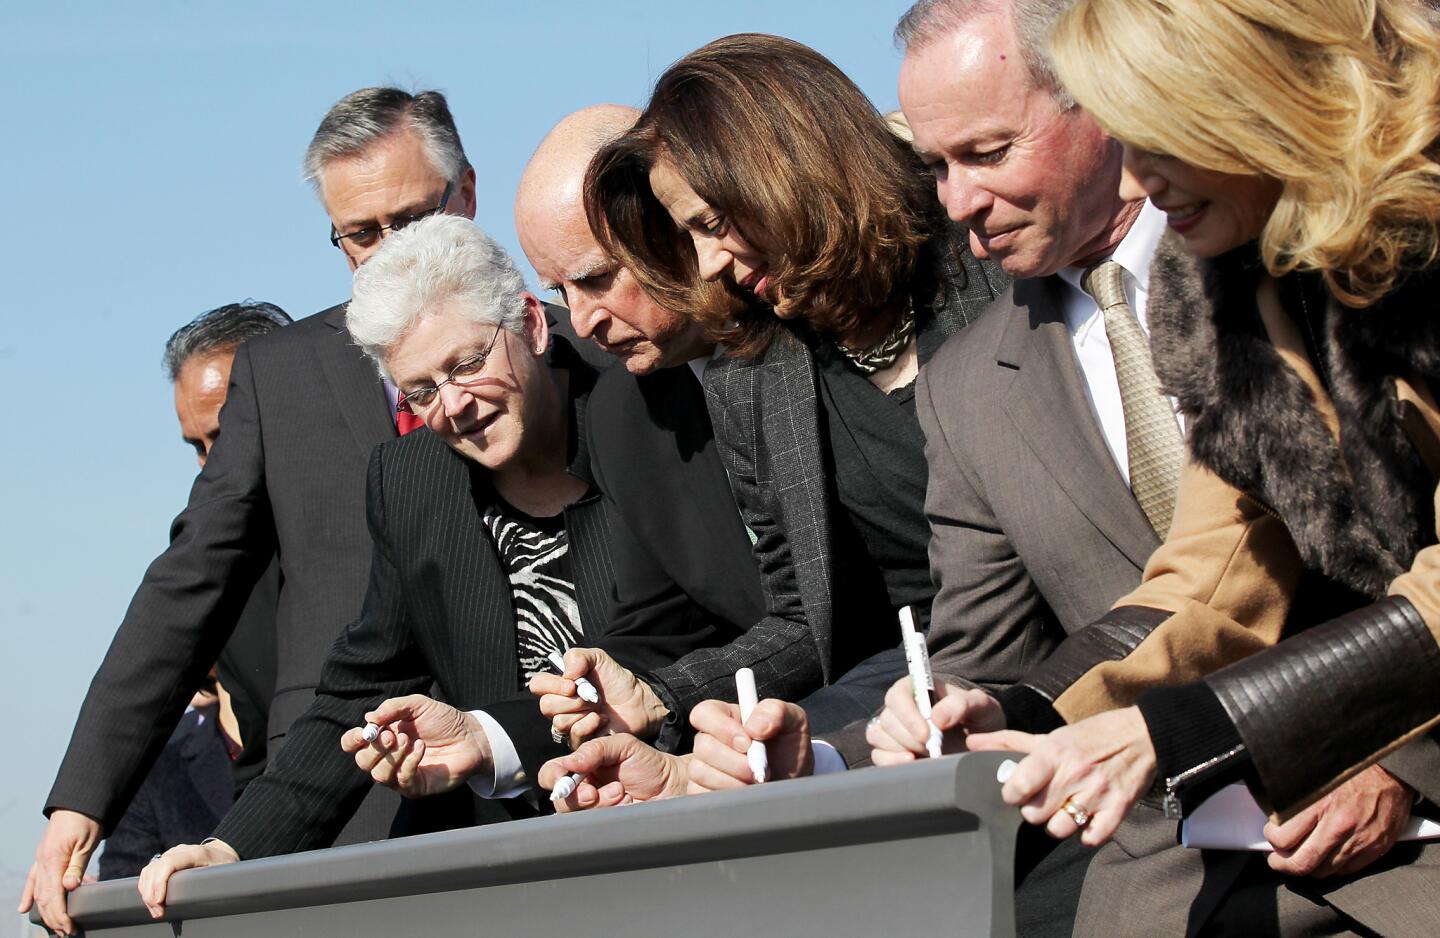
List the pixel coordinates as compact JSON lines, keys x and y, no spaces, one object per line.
{"x":1219,"y":589}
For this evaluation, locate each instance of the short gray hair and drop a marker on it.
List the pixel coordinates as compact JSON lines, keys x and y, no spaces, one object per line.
{"x":928,"y":20}
{"x":362,"y":117}
{"x":440,"y":258}
{"x":222,"y":329}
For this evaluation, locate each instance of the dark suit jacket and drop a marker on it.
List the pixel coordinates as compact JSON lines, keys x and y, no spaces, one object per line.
{"x":287,"y":477}
{"x":186,"y":793}
{"x":246,"y":669}
{"x":768,"y":433}
{"x":681,"y":553}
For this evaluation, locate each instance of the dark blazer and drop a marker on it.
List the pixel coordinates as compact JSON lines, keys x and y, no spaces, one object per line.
{"x":246,"y":669}
{"x":287,"y":478}
{"x":188,"y":790}
{"x":768,"y":434}
{"x":681,"y":553}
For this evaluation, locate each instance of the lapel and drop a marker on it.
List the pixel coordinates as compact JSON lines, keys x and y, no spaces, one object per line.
{"x":359,"y":393}
{"x":485,"y":630}
{"x":790,"y":424}
{"x":587,"y":529}
{"x":1050,"y":409}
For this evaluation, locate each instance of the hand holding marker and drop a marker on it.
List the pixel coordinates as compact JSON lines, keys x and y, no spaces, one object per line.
{"x":584,"y":688}
{"x":921,"y":681}
{"x":749,"y":698}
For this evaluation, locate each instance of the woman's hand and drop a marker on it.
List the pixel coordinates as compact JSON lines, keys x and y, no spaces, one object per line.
{"x":1099,"y":767}
{"x":627,"y":704}
{"x":155,"y":878}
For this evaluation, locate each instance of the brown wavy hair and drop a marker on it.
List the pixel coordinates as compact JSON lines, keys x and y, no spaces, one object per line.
{"x":1338,"y":100}
{"x":771,"y":134}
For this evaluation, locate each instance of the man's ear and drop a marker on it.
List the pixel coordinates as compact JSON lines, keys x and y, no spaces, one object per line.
{"x":537,"y":325}
{"x":467,"y":193}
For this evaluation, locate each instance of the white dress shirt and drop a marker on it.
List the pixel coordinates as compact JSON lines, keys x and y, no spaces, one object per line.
{"x":1087,"y":328}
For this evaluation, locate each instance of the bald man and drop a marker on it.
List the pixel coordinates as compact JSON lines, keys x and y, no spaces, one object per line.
{"x":681,"y":553}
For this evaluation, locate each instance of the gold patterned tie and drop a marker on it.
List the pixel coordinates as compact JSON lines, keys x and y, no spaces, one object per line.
{"x":1152,"y":437}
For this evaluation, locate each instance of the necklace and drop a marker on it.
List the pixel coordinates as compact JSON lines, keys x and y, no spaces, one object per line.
{"x":888,"y":350}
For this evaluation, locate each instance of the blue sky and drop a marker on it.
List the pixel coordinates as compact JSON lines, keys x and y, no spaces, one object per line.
{"x":150,"y":171}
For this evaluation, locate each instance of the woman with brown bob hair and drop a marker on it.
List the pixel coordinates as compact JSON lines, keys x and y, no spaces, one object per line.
{"x":761,"y":194}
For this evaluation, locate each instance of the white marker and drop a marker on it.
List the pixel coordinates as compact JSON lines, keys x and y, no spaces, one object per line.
{"x":921,"y":682}
{"x":566,"y":786}
{"x":370,"y":733}
{"x":758,"y":758}
{"x":584,"y":688}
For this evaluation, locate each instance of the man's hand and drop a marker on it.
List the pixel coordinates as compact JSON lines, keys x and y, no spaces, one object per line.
{"x":155,"y":878}
{"x":1102,"y":764}
{"x":618,"y":769}
{"x":60,"y":860}
{"x":899,"y":734}
{"x":722,"y":741}
{"x":425,"y":747}
{"x":1345,"y":831}
{"x":627,"y":704}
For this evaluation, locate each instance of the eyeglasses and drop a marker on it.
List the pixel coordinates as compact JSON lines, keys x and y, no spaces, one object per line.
{"x":354,"y":241}
{"x":419,"y":400}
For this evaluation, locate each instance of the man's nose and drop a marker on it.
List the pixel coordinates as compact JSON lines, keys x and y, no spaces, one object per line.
{"x":586,"y":315}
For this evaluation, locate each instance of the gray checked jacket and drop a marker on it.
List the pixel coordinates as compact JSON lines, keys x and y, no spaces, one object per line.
{"x":769,"y":437}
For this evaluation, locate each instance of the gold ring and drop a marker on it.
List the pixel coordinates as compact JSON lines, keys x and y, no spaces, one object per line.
{"x":1077,"y":811}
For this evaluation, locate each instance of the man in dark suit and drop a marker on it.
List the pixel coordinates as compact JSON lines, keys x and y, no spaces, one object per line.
{"x":287,"y":476}
{"x":220,"y":743}
{"x":198,"y":360}
{"x":680,"y":550}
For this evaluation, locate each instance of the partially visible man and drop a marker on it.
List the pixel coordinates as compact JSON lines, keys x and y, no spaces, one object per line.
{"x":678,"y":545}
{"x":220,"y":743}
{"x":286,"y":477}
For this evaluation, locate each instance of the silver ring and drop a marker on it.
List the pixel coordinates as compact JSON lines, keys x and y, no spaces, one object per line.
{"x":1077,"y":811}
{"x":874,"y":722}
{"x":558,"y":736}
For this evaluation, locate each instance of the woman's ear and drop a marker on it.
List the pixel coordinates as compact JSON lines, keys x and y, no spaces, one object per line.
{"x":537,"y":325}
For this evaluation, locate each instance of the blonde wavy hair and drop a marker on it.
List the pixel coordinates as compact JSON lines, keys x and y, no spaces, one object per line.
{"x":1337,"y":100}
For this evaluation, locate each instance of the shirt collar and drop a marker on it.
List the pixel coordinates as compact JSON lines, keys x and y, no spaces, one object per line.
{"x":1134,"y":252}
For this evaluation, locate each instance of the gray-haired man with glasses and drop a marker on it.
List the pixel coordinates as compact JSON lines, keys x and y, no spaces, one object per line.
{"x":287,"y":476}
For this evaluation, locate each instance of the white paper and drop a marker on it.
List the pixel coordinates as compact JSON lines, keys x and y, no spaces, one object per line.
{"x":1231,"y":820}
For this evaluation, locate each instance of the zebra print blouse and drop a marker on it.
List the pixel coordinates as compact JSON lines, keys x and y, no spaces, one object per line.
{"x":535,"y":555}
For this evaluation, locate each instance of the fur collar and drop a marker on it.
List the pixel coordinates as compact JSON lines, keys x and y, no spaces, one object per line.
{"x":1359,"y":509}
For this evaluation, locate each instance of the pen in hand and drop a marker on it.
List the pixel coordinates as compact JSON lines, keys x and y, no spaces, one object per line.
{"x":917,"y":659}
{"x":584,"y":688}
{"x":749,"y":698}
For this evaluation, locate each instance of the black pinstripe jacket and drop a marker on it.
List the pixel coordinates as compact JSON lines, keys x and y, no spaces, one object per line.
{"x":438,"y":611}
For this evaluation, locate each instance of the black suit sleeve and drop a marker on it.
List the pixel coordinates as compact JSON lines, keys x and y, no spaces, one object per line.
{"x":247,"y":671}
{"x":312,"y":787}
{"x":183,"y":613}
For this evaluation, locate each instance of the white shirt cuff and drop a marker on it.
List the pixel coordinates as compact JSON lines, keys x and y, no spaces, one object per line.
{"x":506,"y":778}
{"x":827,"y":758}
